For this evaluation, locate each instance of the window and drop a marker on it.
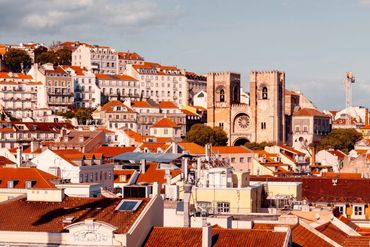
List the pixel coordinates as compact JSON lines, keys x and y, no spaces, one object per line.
{"x":232,"y":160}
{"x":264,"y":93}
{"x":263,"y":125}
{"x":222,"y":95}
{"x":221,"y":125}
{"x":341,"y":209}
{"x":358,"y":210}
{"x":128,"y":205}
{"x":223,"y":207}
{"x":165,"y":131}
{"x":241,"y":159}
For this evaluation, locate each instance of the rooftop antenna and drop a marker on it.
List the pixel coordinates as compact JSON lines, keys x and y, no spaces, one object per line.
{"x":348,"y":85}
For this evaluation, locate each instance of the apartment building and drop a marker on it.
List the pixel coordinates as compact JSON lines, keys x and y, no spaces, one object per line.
{"x":19,"y":94}
{"x":309,"y":126}
{"x":100,"y":59}
{"x":117,"y":87}
{"x":160,"y":83}
{"x":14,"y":134}
{"x":86,"y":92}
{"x":125,"y":58}
{"x":195,"y":84}
{"x":116,"y":115}
{"x":58,"y":85}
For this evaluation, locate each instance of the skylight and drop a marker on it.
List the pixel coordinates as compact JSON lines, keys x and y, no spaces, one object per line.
{"x":128,"y":205}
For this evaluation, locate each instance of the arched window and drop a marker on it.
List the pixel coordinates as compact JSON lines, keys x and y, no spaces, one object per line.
{"x":264,"y":93}
{"x":222,"y":95}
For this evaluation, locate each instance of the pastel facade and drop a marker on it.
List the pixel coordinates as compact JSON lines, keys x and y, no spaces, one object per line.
{"x":101,"y":59}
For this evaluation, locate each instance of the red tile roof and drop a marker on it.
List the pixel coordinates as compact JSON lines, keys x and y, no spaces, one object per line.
{"x":5,"y":161}
{"x":342,"y":175}
{"x":134,"y":135}
{"x":143,"y":104}
{"x":113,"y":151}
{"x":164,"y":123}
{"x":301,"y":236}
{"x":152,"y":174}
{"x":167,"y":104}
{"x":230,"y":150}
{"x":33,"y":216}
{"x":118,"y":173}
{"x":309,"y":112}
{"x":290,"y":149}
{"x":109,"y":107}
{"x":153,"y":146}
{"x":340,"y":237}
{"x":321,"y":189}
{"x":181,"y":236}
{"x":41,"y":179}
{"x":130,"y":56}
{"x":192,"y":148}
{"x":114,"y":77}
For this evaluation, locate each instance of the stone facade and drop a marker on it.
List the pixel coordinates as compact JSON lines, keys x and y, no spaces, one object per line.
{"x":262,"y":120}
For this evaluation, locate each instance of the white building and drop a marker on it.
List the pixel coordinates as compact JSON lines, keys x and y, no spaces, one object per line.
{"x":161,"y":83}
{"x":19,"y":94}
{"x":118,"y":87}
{"x":125,"y":58}
{"x":200,"y":99}
{"x":102,"y":59}
{"x":86,"y":92}
{"x":75,"y":167}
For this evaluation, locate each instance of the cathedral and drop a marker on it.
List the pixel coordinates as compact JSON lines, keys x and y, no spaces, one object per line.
{"x":263,"y":119}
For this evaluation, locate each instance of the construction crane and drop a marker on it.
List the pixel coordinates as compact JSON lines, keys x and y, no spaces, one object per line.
{"x":348,"y":85}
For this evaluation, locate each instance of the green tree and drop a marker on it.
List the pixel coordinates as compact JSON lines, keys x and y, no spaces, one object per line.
{"x":16,"y":60}
{"x":47,"y":57}
{"x":39,"y":50}
{"x":202,"y":134}
{"x":342,"y":139}
{"x":83,"y":114}
{"x":64,"y":56}
{"x":257,"y":146}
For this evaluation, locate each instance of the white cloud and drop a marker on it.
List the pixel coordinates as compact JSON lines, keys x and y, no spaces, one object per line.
{"x":80,"y":17}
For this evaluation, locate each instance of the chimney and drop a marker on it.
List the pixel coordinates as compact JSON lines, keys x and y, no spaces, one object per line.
{"x":34,"y":146}
{"x":187,"y":194}
{"x":174,"y":148}
{"x":207,"y":236}
{"x":199,"y":165}
{"x":168,"y":176}
{"x":156,"y":189}
{"x":19,"y":156}
{"x":142,"y":166}
{"x":185,"y":168}
{"x":208,"y":148}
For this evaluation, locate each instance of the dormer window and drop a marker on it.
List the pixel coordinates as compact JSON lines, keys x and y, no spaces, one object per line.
{"x":11,"y":184}
{"x":28,"y":184}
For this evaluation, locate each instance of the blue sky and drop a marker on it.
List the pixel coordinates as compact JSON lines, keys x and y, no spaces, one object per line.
{"x":314,"y":42}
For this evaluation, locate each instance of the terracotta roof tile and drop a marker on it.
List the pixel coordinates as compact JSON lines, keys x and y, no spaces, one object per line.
{"x":164,"y":123}
{"x":167,"y":104}
{"x":152,"y":174}
{"x":41,"y":179}
{"x":309,"y":112}
{"x":176,"y":236}
{"x":153,"y":146}
{"x":113,"y":151}
{"x":192,"y":148}
{"x":5,"y":161}
{"x":230,"y":149}
{"x":127,"y":172}
{"x":23,"y":215}
{"x":321,"y":189}
{"x":301,"y":236}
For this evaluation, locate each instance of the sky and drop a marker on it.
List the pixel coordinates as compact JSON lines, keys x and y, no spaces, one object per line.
{"x":314,"y":42}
